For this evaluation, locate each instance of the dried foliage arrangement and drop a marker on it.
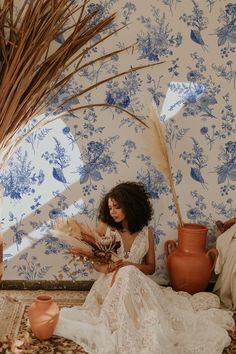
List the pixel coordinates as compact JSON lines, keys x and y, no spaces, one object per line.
{"x":159,"y":152}
{"x":85,"y":243}
{"x":31,"y":69}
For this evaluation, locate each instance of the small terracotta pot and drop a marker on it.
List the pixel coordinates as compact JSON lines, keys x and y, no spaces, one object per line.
{"x":43,"y":315}
{"x":189,"y":264}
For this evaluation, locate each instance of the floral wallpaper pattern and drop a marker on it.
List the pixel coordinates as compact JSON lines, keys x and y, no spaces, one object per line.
{"x":64,"y":168}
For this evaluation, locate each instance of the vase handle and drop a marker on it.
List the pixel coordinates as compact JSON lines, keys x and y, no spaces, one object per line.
{"x":212,"y":253}
{"x":168,"y":243}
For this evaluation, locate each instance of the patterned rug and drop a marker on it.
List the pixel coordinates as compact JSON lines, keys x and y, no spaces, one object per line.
{"x":14,"y":322}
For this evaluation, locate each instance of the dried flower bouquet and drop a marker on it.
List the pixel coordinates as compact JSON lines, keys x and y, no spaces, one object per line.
{"x":85,"y":242}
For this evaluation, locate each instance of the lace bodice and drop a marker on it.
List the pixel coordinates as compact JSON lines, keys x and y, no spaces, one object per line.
{"x":139,"y":247}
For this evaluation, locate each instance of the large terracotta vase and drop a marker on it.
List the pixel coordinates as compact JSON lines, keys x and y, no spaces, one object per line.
{"x":189,"y":264}
{"x":43,"y":315}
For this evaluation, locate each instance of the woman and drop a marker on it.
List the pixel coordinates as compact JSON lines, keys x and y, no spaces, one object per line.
{"x":128,"y":313}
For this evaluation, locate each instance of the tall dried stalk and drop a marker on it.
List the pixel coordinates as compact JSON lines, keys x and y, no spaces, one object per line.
{"x":30,"y":70}
{"x":158,"y":146}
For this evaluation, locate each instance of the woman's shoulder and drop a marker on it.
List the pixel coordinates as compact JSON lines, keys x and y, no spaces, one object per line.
{"x":147,"y":234}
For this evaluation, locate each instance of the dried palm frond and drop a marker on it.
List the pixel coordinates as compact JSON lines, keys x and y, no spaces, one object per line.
{"x":85,"y":242}
{"x":158,"y":150}
{"x":32,"y":70}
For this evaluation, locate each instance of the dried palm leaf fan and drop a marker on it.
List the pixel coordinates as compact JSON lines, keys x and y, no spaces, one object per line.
{"x":159,"y":152}
{"x":30,"y":70}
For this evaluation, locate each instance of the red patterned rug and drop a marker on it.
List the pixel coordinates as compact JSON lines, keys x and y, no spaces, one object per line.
{"x":14,"y":323}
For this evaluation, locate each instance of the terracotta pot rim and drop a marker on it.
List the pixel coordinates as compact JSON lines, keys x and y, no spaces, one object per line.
{"x":44,"y":298}
{"x":192,"y":226}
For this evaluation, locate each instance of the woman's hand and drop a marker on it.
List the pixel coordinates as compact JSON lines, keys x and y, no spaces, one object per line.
{"x":114,"y":266}
{"x":126,"y":263}
{"x":100,"y":267}
{"x":108,"y":268}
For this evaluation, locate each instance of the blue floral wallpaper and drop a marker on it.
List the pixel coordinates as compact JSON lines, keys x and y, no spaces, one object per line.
{"x":65,"y":167}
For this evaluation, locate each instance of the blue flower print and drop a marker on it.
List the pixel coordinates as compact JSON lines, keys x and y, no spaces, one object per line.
{"x":32,"y":269}
{"x":197,"y":21}
{"x":198,"y":160}
{"x":20,"y":177}
{"x":189,"y":97}
{"x":226,"y":210}
{"x":228,"y":30}
{"x":158,"y":40}
{"x":154,"y":182}
{"x":96,"y":157}
{"x":127,"y":11}
{"x":174,"y":68}
{"x":17,"y":229}
{"x":59,"y":159}
{"x":55,"y":213}
{"x":121,"y":96}
{"x":211,"y":4}
{"x":204,"y":130}
{"x":230,"y":9}
{"x":84,"y":129}
{"x":155,"y":89}
{"x":205,"y":101}
{"x":226,"y":71}
{"x":52,"y":245}
{"x":99,"y":9}
{"x":193,"y":76}
{"x":36,"y":205}
{"x":158,"y":233}
{"x":171,"y":4}
{"x":37,"y":136}
{"x":126,"y":94}
{"x":128,"y":147}
{"x":88,"y":209}
{"x":66,"y":130}
{"x":213,"y":133}
{"x":174,"y":133}
{"x":193,"y":214}
{"x":227,"y":170}
{"x":205,"y":88}
{"x":96,"y":147}
{"x":197,"y":211}
{"x":74,"y":271}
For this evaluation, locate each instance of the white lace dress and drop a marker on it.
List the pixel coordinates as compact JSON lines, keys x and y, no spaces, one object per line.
{"x":137,"y":316}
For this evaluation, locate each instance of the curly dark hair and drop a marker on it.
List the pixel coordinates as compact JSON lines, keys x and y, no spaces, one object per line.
{"x":133,"y":200}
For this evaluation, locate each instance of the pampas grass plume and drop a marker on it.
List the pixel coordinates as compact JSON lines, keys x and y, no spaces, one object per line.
{"x":159,"y":153}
